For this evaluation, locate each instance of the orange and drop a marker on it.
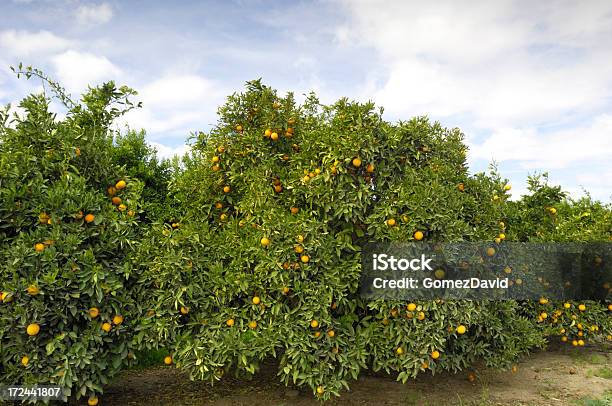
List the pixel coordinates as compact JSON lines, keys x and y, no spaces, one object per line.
{"x":25,"y":360}
{"x":90,"y":218}
{"x":274,"y":136}
{"x":285,"y":290}
{"x":299,"y":249}
{"x":265,"y":241}
{"x":294,"y":210}
{"x":320,"y":390}
{"x":116,"y":200}
{"x":314,"y":324}
{"x":581,"y":307}
{"x":252,"y":324}
{"x":111,"y":191}
{"x":370,"y":168}
{"x":278,"y":188}
{"x":461,"y":187}
{"x":356,"y":162}
{"x":106,"y":327}
{"x":331,"y":333}
{"x":230,"y":322}
{"x":564,"y":339}
{"x":418,"y":235}
{"x":33,"y":290}
{"x":216,"y":168}
{"x":184,"y":310}
{"x":94,"y":312}
{"x":543,"y":300}
{"x":215,"y":159}
{"x":461,"y":329}
{"x":120,"y":185}
{"x":33,"y":329}
{"x":40,"y":247}
{"x":471,"y":377}
{"x":507,"y":187}
{"x":256,"y":300}
{"x":514,"y":369}
{"x":305,"y":258}
{"x":435,"y":354}
{"x":122,"y":207}
{"x":227,"y":189}
{"x":168,"y":360}
{"x":268,"y":133}
{"x":490,"y":251}
{"x":239,"y":128}
{"x":221,"y":149}
{"x":92,"y":401}
{"x":300,"y":238}
{"x":399,"y":351}
{"x":411,"y":307}
{"x":391,"y":222}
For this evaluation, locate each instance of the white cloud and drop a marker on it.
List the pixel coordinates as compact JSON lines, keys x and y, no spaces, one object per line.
{"x":26,"y":43}
{"x":501,"y":63}
{"x":176,"y":105}
{"x":558,"y":149}
{"x":75,"y":70}
{"x":93,"y":14}
{"x":164,"y":151}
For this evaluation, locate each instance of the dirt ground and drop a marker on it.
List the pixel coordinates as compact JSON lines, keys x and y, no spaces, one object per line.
{"x":561,"y":376}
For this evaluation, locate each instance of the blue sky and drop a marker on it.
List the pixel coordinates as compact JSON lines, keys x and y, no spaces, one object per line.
{"x":529,"y":83}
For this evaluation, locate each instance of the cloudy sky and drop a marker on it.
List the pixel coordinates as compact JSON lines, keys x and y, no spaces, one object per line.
{"x":529,"y":83}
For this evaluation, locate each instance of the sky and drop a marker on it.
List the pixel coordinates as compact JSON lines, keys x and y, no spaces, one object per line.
{"x":529,"y":83}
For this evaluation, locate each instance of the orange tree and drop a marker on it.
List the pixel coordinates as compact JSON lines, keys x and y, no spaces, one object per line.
{"x":277,"y":201}
{"x":67,"y":219}
{"x":547,"y":214}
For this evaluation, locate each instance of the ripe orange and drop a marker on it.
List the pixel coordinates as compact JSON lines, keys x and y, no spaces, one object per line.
{"x":256,"y":300}
{"x":184,"y":310}
{"x":268,"y":133}
{"x":221,"y":149}
{"x":33,"y":329}
{"x":425,"y":365}
{"x":92,"y":401}
{"x":215,"y":159}
{"x":94,"y":312}
{"x":610,"y":307}
{"x":552,"y":211}
{"x":399,"y":351}
{"x":239,"y":128}
{"x":435,"y":354}
{"x":471,"y":377}
{"x":581,"y":307}
{"x":168,"y":360}
{"x":514,"y":369}
{"x":411,"y":307}
{"x":274,"y":136}
{"x":299,"y":249}
{"x":461,"y":329}
{"x":418,"y":235}
{"x":285,"y":290}
{"x":331,"y":333}
{"x":305,"y":258}
{"x":230,"y":322}
{"x":39,"y":247}
{"x":391,"y":222}
{"x":278,"y":188}
{"x":490,"y":251}
{"x":356,"y":162}
{"x":421,"y":316}
{"x":300,"y":238}
{"x":543,"y":300}
{"x":116,"y":200}
{"x":294,"y":210}
{"x":320,"y":390}
{"x":461,"y":187}
{"x":120,"y":185}
{"x":314,"y":323}
{"x":122,"y":207}
{"x":370,"y":168}
{"x":33,"y":290}
{"x":216,"y":168}
{"x":581,"y":343}
{"x":90,"y":218}
{"x":564,"y":339}
{"x":265,"y":241}
{"x":252,"y":324}
{"x":25,"y":360}
{"x":106,"y":327}
{"x":227,"y":189}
